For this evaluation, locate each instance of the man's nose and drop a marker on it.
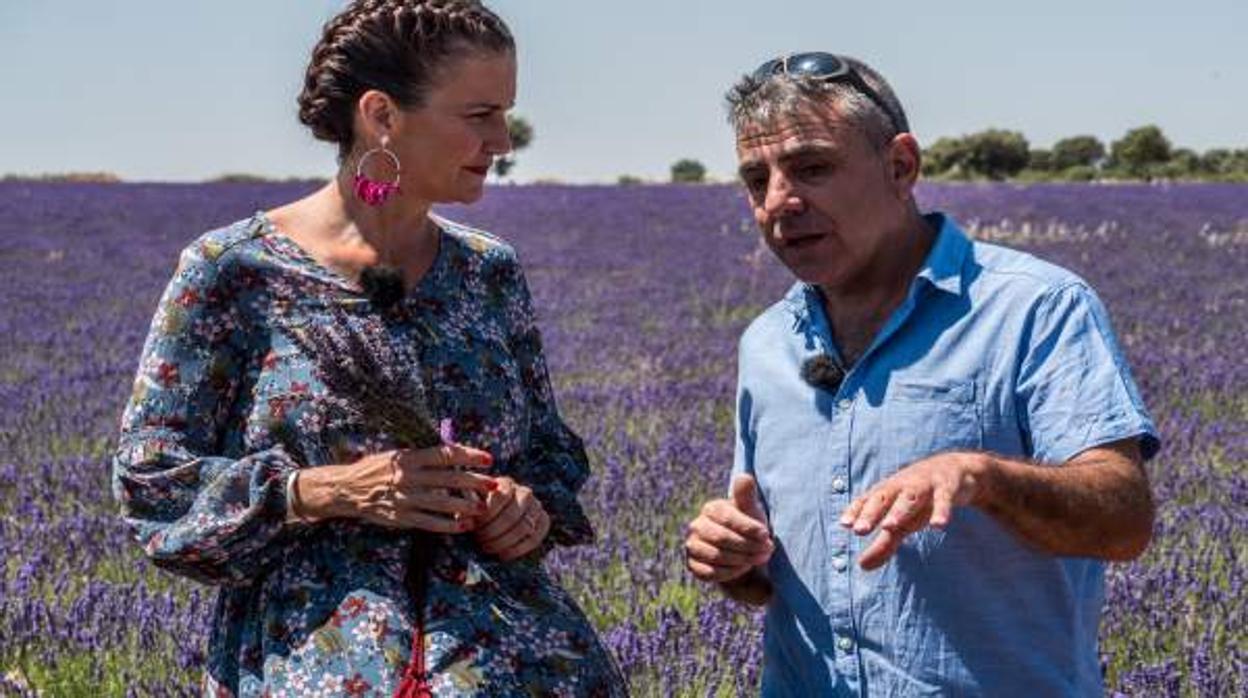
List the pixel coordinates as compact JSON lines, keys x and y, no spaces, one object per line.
{"x":781,"y":199}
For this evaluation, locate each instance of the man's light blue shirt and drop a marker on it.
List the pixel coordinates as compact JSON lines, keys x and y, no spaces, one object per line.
{"x":992,"y":350}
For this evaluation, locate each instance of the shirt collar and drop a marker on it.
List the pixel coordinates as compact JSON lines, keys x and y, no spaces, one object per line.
{"x":942,"y":269}
{"x":943,"y":266}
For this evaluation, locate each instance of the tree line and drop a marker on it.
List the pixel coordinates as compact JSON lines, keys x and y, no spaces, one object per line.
{"x":1143,"y":153}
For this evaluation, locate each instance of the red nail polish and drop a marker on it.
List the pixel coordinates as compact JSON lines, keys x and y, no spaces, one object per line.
{"x":489,"y":459}
{"x":491,"y":485}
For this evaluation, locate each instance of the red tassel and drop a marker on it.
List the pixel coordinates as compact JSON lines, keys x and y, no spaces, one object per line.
{"x":415,"y":683}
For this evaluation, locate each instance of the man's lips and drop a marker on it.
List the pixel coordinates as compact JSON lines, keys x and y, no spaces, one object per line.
{"x":801,"y":241}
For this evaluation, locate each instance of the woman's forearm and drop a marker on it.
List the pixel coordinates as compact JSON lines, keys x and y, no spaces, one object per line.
{"x":316,"y":494}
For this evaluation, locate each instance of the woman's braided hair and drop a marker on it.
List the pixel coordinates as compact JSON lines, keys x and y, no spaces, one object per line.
{"x":395,"y":46}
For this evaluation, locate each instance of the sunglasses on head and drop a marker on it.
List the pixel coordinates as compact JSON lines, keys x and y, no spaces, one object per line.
{"x":827,"y":67}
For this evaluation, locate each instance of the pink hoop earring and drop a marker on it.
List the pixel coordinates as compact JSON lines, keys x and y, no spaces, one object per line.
{"x":370,"y":191}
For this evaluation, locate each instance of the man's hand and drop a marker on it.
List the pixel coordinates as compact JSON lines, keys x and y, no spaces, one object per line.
{"x":922,"y":494}
{"x":730,"y":537}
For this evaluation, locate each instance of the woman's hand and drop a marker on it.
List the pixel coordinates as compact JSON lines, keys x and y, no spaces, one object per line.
{"x":514,"y":523}
{"x":410,"y":489}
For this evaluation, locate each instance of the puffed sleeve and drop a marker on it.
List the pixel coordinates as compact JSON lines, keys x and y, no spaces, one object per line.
{"x":1074,"y":389}
{"x":196,"y":512}
{"x":555,"y":464}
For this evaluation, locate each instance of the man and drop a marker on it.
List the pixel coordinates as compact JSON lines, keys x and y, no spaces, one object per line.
{"x":955,"y":418}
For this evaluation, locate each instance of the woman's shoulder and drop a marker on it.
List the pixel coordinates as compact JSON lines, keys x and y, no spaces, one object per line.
{"x":487,"y":248}
{"x":225,"y":245}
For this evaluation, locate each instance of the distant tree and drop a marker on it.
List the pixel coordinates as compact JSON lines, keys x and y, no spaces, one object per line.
{"x":239,"y":178}
{"x":1224,"y":163}
{"x":1185,"y":161}
{"x":943,"y":156}
{"x":1079,"y":173}
{"x":688,"y":171}
{"x":1216,"y":161}
{"x":1040,"y":160}
{"x":65,"y":177}
{"x":1077,"y":150}
{"x":521,"y":133}
{"x":627,"y":180}
{"x":1140,"y":150}
{"x":995,"y":153}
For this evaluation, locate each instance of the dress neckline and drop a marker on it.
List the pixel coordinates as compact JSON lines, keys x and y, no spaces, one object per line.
{"x":425,"y":285}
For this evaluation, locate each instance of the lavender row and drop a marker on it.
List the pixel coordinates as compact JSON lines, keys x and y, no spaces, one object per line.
{"x":641,"y":293}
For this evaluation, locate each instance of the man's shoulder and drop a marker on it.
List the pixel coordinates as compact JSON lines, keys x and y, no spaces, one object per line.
{"x":1010,"y":275}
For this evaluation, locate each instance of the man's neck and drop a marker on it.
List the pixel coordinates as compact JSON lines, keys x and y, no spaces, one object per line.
{"x":858,"y":311}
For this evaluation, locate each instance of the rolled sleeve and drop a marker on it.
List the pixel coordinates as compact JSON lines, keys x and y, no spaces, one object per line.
{"x":1075,"y":390}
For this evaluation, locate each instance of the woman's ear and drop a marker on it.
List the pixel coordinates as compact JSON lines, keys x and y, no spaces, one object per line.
{"x":376,"y":115}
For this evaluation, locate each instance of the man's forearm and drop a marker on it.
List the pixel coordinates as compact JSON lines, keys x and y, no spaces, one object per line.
{"x":1096,"y":506}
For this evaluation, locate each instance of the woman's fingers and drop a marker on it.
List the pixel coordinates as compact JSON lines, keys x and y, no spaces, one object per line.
{"x":532,"y":541}
{"x":526,"y":528}
{"x":507,"y":518}
{"x":444,"y":456}
{"x":440,"y":502}
{"x":414,"y":480}
{"x":433,"y":523}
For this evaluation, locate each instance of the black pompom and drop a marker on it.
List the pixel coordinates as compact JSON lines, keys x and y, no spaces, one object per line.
{"x":383,"y":285}
{"x":822,"y":371}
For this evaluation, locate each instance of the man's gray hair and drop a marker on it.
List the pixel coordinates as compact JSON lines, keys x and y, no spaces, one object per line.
{"x":754,"y":101}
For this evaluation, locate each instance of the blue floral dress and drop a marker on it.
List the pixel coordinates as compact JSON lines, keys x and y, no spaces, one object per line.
{"x":225,"y":407}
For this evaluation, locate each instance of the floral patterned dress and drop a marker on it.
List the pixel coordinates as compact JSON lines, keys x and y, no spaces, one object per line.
{"x":225,"y":407}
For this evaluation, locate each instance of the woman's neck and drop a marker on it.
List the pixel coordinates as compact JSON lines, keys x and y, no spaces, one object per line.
{"x":397,"y":233}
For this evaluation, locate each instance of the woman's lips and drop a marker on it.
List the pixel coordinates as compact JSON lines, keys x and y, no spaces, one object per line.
{"x":481,"y":171}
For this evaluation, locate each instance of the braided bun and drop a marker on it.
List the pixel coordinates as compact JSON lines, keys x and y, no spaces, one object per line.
{"x":395,"y":46}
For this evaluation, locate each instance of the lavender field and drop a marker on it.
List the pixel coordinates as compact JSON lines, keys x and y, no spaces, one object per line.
{"x":641,"y":293}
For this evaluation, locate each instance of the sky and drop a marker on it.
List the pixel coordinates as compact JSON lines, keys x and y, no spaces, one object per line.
{"x":154,"y":90}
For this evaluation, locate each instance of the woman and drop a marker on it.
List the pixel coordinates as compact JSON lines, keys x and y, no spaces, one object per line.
{"x":349,"y":565}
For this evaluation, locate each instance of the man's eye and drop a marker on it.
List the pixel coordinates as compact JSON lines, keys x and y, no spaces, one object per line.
{"x":812,"y":170}
{"x":756,"y":184}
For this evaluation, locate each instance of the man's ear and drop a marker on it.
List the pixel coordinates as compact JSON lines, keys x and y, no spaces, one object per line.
{"x":905,"y":159}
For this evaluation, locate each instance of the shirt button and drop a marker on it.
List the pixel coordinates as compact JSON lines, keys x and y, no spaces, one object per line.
{"x":839,"y":484}
{"x":839,"y":563}
{"x":845,"y":643}
{"x":845,"y":404}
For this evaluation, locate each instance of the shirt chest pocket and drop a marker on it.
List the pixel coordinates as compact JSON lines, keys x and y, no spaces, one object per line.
{"x":921,"y":418}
